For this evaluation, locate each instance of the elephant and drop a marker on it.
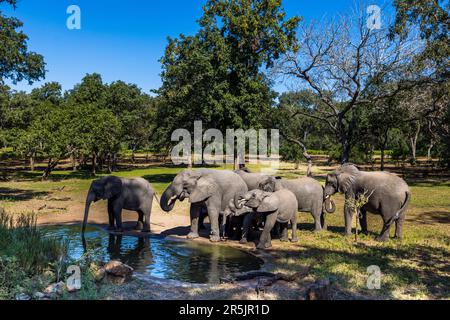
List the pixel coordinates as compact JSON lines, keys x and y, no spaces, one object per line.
{"x":279,"y":206}
{"x":388,"y":196}
{"x":309,"y":193}
{"x":233,"y":218}
{"x":130,"y":194}
{"x":212,"y":189}
{"x":251,"y":179}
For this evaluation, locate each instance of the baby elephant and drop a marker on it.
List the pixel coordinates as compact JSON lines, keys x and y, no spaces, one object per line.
{"x":279,"y":206}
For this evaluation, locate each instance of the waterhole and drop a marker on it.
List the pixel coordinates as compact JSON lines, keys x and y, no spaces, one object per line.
{"x":155,"y":256}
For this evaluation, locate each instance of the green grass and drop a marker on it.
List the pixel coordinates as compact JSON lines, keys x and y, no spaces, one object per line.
{"x":415,"y":268}
{"x":25,"y":254}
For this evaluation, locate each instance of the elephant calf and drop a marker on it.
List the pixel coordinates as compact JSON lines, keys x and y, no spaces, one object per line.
{"x":309,"y":193}
{"x":279,"y":206}
{"x":130,"y":194}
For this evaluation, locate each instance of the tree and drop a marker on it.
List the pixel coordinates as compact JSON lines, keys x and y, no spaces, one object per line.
{"x":135,"y":110}
{"x":432,"y":18}
{"x":216,"y":76}
{"x":297,"y":131}
{"x":342,"y":62}
{"x":96,"y":132}
{"x":17,"y":63}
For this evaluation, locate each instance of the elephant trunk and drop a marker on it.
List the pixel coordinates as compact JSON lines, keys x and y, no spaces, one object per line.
{"x":168,"y":199}
{"x":237,"y":201}
{"x":329,"y":204}
{"x":89,"y":199}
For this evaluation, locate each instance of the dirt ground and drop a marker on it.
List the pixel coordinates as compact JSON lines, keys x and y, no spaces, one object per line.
{"x":416,"y":268}
{"x":176,"y":225}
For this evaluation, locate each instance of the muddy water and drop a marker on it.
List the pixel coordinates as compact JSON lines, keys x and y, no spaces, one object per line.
{"x":154,"y":256}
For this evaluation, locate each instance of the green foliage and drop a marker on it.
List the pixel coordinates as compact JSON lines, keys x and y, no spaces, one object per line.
{"x":399,"y":146}
{"x":24,"y":253}
{"x":431,"y":17}
{"x":17,"y":63}
{"x":215,"y":76}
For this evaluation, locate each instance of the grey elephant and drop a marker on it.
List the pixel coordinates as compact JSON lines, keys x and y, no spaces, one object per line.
{"x":251,"y":179}
{"x":212,"y":189}
{"x":130,"y":194}
{"x":309,"y":194}
{"x":230,"y":220}
{"x":279,"y":206}
{"x":388,"y":194}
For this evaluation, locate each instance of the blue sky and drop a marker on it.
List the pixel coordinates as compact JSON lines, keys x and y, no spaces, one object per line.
{"x":123,"y":40}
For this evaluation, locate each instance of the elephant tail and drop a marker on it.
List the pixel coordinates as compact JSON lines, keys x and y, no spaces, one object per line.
{"x":402,"y":209}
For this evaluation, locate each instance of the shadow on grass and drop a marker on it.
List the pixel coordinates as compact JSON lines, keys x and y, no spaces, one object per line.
{"x":432,"y":217}
{"x":160,"y":178}
{"x":10,"y":194}
{"x":412,"y":266}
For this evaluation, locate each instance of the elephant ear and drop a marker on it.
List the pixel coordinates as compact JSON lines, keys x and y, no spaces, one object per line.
{"x":268,"y":204}
{"x":346,"y":176}
{"x":113,"y":187}
{"x":204,"y":189}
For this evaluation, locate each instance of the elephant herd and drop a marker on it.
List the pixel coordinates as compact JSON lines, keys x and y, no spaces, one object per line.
{"x":239,"y":202}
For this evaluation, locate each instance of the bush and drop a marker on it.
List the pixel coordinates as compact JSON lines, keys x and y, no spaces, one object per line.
{"x":25,"y":253}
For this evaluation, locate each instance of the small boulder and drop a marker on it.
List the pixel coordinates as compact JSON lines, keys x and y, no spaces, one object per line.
{"x":320,"y":290}
{"x":56,"y":288}
{"x":23,"y":296}
{"x":98,"y":273}
{"x":118,"y":269}
{"x":38,"y":295}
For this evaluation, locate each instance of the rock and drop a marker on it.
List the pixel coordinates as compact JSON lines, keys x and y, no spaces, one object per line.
{"x":320,"y":290}
{"x":118,"y":269}
{"x":23,"y":296}
{"x":56,"y":288}
{"x":97,"y":272}
{"x":38,"y":295}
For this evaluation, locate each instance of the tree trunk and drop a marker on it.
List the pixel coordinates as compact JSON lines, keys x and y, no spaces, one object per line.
{"x":73,"y":159}
{"x":32,"y":162}
{"x":430,"y":146}
{"x":382,"y":159}
{"x":94,"y":164}
{"x":109,"y":163}
{"x":345,"y":150}
{"x":190,"y":161}
{"x":50,"y":166}
{"x":297,"y":165}
{"x":413,"y":141}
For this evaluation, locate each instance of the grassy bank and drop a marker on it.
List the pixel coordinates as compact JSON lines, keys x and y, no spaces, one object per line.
{"x":415,"y":268}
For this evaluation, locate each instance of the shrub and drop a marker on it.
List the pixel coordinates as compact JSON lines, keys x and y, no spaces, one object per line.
{"x":25,"y":252}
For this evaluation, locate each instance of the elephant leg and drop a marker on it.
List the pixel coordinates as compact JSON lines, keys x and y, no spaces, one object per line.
{"x":118,"y":217}
{"x":147,"y":214}
{"x":284,"y":232}
{"x":194,"y":213}
{"x":399,"y":227}
{"x":363,"y":221}
{"x":201,"y":218}
{"x":248,"y":219}
{"x":140,"y":222}
{"x":147,"y":211}
{"x":213,"y":214}
{"x":294,"y":228}
{"x":323,"y":222}
{"x":317,"y":215}
{"x":265,"y":240}
{"x":348,"y":215}
{"x":384,"y":234}
{"x":110,"y":215}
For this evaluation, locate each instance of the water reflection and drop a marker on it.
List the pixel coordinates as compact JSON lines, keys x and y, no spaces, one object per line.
{"x":188,"y":261}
